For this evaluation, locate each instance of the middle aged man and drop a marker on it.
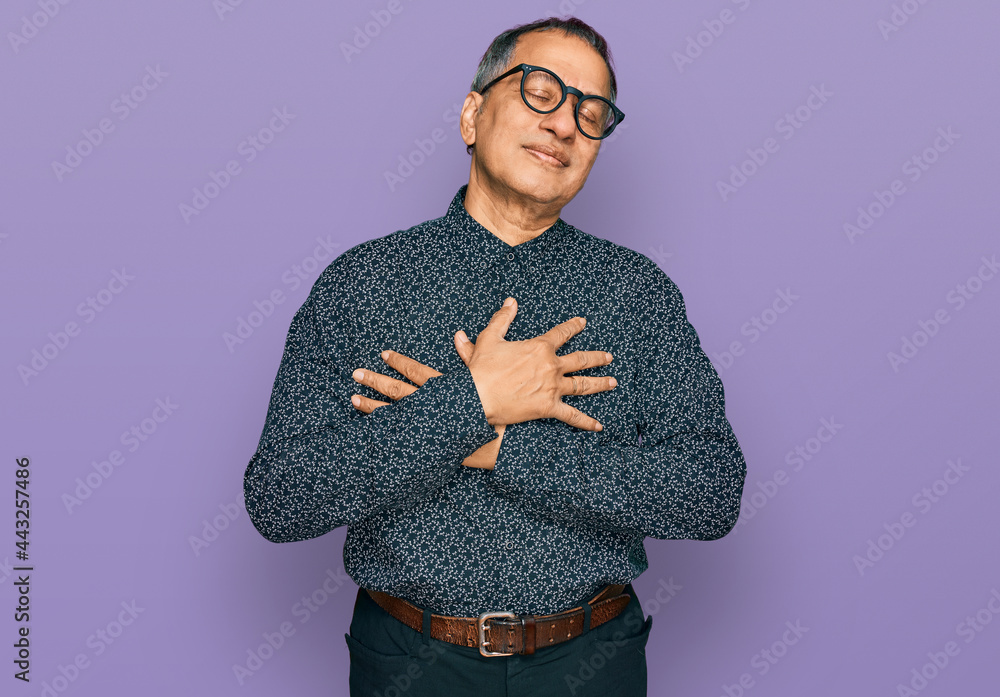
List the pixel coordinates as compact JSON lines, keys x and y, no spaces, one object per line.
{"x":496,"y":507}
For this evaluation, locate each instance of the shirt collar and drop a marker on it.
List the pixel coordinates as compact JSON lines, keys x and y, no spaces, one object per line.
{"x":482,"y":248}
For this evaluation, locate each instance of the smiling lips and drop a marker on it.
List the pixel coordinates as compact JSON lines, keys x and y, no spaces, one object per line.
{"x":547,"y":154}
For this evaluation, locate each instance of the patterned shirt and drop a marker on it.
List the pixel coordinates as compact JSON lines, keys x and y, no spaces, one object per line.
{"x":565,"y":510}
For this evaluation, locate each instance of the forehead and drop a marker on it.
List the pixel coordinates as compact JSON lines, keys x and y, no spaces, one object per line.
{"x":570,"y":57}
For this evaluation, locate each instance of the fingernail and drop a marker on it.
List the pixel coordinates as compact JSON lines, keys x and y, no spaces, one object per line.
{"x":356,"y":401}
{"x":385,"y":355}
{"x":608,"y":356}
{"x":462,"y":337}
{"x":359,"y":374}
{"x":508,"y":302}
{"x":600,"y":427}
{"x":612,"y":382}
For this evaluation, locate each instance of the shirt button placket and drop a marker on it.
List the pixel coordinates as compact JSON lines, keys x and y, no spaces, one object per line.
{"x":505,"y":274}
{"x":516,"y":269}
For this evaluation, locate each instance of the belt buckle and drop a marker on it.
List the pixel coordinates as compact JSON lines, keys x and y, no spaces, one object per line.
{"x":482,"y":632}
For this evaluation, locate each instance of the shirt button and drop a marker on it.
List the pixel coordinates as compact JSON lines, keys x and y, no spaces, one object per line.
{"x":510,"y":545}
{"x":510,"y":256}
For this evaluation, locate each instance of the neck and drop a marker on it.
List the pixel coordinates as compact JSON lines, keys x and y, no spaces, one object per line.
{"x":506,"y":213}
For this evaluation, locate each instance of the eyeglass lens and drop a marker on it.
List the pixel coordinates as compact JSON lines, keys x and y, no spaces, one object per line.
{"x":543,"y":92}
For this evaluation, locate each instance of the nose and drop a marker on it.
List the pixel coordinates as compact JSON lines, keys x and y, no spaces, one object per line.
{"x":562,"y":121}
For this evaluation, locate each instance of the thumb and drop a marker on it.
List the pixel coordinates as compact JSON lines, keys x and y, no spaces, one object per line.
{"x":502,"y":318}
{"x":464,"y":347}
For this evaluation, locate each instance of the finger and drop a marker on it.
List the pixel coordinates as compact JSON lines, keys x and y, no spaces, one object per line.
{"x":464,"y":346}
{"x":500,"y":321}
{"x":585,"y":384}
{"x":365,"y":404}
{"x":580,"y":360}
{"x":390,"y":387}
{"x":564,"y":331}
{"x":575,"y":417}
{"x":414,"y":370}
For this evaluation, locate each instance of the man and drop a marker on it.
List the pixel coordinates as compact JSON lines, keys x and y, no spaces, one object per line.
{"x":496,"y":506}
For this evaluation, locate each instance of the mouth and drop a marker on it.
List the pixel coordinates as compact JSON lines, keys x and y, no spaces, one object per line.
{"x":545,"y":157}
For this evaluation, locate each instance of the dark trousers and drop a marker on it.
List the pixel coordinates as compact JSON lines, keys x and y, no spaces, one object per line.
{"x":389,"y":659}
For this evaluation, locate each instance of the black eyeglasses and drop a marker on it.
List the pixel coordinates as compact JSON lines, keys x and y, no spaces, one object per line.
{"x":543,"y":91}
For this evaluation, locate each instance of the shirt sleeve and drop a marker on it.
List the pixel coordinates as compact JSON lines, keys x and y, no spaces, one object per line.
{"x":683,"y":481}
{"x":321,"y":463}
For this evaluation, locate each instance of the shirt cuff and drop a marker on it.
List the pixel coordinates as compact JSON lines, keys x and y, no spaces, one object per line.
{"x":539,"y":459}
{"x":428,"y":434}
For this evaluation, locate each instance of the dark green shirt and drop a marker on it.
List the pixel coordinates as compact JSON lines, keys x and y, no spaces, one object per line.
{"x":564,"y":511}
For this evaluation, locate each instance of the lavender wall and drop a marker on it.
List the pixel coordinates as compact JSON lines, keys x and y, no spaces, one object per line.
{"x":820,"y":179}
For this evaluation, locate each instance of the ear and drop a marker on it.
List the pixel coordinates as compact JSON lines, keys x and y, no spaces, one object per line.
{"x":467,"y":119}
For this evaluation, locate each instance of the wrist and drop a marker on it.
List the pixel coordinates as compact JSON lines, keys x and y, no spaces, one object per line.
{"x":485,"y":404}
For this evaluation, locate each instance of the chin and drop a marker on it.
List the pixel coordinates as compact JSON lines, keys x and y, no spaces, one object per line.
{"x":540,"y":177}
{"x":541,"y":188}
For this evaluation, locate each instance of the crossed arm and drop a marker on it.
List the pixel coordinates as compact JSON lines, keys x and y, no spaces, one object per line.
{"x":322,"y":463}
{"x":684,"y":481}
{"x":484,"y":457}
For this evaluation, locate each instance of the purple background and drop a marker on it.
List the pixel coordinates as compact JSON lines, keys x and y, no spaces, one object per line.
{"x":793,"y":557}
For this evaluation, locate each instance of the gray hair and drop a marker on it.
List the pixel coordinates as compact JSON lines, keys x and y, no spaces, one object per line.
{"x":497,"y":58}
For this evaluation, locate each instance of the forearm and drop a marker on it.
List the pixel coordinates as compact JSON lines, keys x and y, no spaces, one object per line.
{"x":685,"y":487}
{"x":305,"y":485}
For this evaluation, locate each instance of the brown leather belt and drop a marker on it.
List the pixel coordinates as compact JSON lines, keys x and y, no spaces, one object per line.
{"x":507,"y":633}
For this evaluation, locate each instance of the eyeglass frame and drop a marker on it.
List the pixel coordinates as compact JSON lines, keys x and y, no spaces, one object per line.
{"x":566,"y":89}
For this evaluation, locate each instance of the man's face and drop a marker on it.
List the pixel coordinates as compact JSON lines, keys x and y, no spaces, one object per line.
{"x":507,"y":129}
